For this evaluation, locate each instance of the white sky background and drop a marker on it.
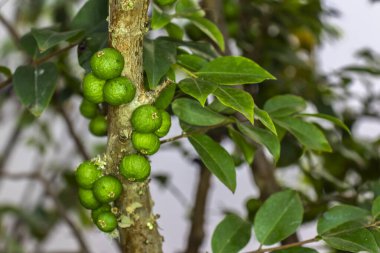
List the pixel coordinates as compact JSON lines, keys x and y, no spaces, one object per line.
{"x":360,"y":23}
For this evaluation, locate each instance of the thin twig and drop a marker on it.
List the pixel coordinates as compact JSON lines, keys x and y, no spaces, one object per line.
{"x":287,"y":246}
{"x":11,"y":30}
{"x":162,"y":87}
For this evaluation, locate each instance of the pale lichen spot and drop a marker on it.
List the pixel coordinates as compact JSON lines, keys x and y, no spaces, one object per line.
{"x":125,"y":222}
{"x":150,"y":225}
{"x":132,"y":207}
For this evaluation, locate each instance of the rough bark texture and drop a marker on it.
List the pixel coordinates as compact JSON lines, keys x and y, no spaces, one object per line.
{"x":127,"y":26}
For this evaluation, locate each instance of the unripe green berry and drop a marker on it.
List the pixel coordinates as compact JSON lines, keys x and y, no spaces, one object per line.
{"x":119,"y":90}
{"x":87,"y":199}
{"x":146,"y":119}
{"x":93,"y":88}
{"x":88,"y":109}
{"x":145,"y":143}
{"x":107,"y":63}
{"x":98,"y":126}
{"x":96,"y":212}
{"x":86,"y":174}
{"x":107,"y":189}
{"x":135,"y":167}
{"x":106,"y":222}
{"x":165,"y":125}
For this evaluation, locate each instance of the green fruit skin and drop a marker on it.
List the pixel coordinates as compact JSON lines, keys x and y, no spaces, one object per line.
{"x":166,"y":97}
{"x":96,"y":212}
{"x":146,"y":119}
{"x":98,"y":126}
{"x":107,"y":63}
{"x":88,"y":109}
{"x":166,"y":124}
{"x":107,"y":189}
{"x":119,"y":90}
{"x":87,"y":199}
{"x":106,"y":222}
{"x":86,"y":175}
{"x":93,"y":88}
{"x":135,"y":167}
{"x":165,"y":2}
{"x":145,"y":143}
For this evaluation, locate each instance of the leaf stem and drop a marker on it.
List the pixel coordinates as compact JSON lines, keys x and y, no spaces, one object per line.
{"x":186,"y":71}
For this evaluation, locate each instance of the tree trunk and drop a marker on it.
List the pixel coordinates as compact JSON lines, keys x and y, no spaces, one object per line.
{"x":127,"y":25}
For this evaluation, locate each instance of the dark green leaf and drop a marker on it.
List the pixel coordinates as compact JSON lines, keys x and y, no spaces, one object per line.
{"x":191,"y":61}
{"x":174,"y":31}
{"x":210,"y":29}
{"x":376,"y":208}
{"x":188,"y":8}
{"x":90,"y":16}
{"x":376,"y":234}
{"x":47,"y":38}
{"x":35,"y":86}
{"x":29,"y":45}
{"x":284,"y":105}
{"x":330,"y":118}
{"x":353,"y":241}
{"x":217,"y":106}
{"x":191,"y":112}
{"x":306,"y":133}
{"x":159,"y":18}
{"x":263,"y":137}
{"x":159,"y":55}
{"x":296,"y":250}
{"x":231,"y":235}
{"x":166,"y":97}
{"x":216,"y":159}
{"x":233,"y":70}
{"x":339,"y":215}
{"x":279,"y":217}
{"x":247,"y":149}
{"x":265,"y":119}
{"x":197,"y":88}
{"x":237,"y":99}
{"x":5,"y":71}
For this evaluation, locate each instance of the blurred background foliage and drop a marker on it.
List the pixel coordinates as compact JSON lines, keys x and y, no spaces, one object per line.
{"x":282,"y":36}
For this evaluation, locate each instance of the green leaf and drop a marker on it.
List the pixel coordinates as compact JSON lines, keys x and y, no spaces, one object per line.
{"x":29,"y":45}
{"x":191,"y":61}
{"x":197,"y":88}
{"x":210,"y":29}
{"x":296,"y":250}
{"x":188,"y":8}
{"x":166,"y":97}
{"x":90,"y":16}
{"x":231,"y":235}
{"x":5,"y":71}
{"x":306,"y":133}
{"x":159,"y":18}
{"x":159,"y":55}
{"x":35,"y":86}
{"x":174,"y":31}
{"x":284,"y":105}
{"x":191,"y":112}
{"x":353,"y":241}
{"x":265,"y":119}
{"x":233,"y":70}
{"x":330,"y":118}
{"x":247,"y":149}
{"x":216,"y":159}
{"x":237,"y":99}
{"x":376,"y":208}
{"x":279,"y":217}
{"x":47,"y":38}
{"x":376,"y":234}
{"x":339,"y":215}
{"x":263,"y":137}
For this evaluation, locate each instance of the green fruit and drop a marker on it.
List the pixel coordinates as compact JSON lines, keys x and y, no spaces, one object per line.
{"x":107,"y":63}
{"x":106,"y":222}
{"x":166,"y":124}
{"x":86,"y":174}
{"x":165,"y":2}
{"x":107,"y":189}
{"x":88,"y":109}
{"x":135,"y":167}
{"x":87,"y":199}
{"x":98,"y":126}
{"x":146,"y":119}
{"x":166,"y":97}
{"x":145,"y":143}
{"x":102,"y":209}
{"x":93,"y":88}
{"x":119,"y":90}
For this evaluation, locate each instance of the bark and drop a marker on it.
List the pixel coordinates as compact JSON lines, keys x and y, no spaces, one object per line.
{"x":127,"y":26}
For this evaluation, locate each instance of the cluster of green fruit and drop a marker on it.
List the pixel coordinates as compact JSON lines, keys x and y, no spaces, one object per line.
{"x":98,"y":190}
{"x":104,"y":84}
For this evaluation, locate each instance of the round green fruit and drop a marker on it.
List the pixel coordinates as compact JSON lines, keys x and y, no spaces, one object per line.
{"x":102,"y":209}
{"x":87,"y":199}
{"x":119,"y":90}
{"x":86,"y":174}
{"x":107,"y":189}
{"x":106,"y":222}
{"x":146,"y":119}
{"x":107,"y":63}
{"x":165,"y":2}
{"x":145,"y":143}
{"x":135,"y":167}
{"x":93,"y":88}
{"x":98,"y":126}
{"x":166,"y":124}
{"x":88,"y":109}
